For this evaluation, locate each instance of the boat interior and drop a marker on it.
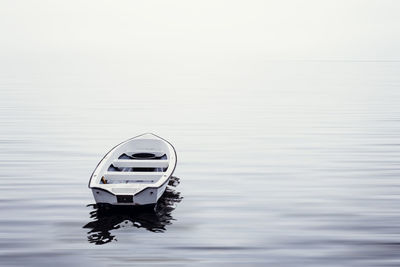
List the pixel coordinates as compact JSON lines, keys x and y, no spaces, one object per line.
{"x":136,"y":165}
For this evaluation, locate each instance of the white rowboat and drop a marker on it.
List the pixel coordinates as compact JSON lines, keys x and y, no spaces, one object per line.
{"x":135,"y":172}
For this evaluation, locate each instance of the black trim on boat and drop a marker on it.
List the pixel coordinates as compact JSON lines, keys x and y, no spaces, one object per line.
{"x":125,"y":198}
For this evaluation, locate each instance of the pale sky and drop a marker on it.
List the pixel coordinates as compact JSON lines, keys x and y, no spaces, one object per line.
{"x":285,"y":29}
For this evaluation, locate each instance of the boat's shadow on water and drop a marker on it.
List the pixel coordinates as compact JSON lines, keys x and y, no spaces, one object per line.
{"x":106,"y":218}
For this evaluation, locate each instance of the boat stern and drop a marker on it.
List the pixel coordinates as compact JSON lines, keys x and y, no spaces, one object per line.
{"x":124,"y":197}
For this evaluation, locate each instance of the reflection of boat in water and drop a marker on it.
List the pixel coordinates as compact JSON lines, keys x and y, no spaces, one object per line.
{"x":107,"y":217}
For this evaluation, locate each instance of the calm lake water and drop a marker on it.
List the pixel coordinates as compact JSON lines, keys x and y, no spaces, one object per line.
{"x":286,"y":163}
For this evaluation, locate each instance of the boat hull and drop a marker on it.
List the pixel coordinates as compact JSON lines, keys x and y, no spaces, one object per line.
{"x":136,"y":172}
{"x":148,"y":196}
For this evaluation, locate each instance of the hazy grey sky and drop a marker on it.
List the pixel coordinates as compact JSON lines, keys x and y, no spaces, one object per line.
{"x":313,"y":29}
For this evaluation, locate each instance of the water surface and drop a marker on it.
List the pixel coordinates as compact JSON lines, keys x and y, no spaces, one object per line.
{"x":289,"y":163}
